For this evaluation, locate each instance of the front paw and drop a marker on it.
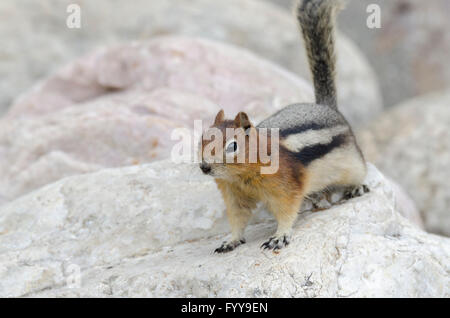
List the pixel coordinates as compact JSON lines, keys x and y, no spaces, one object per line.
{"x":276,"y":242}
{"x":229,"y":246}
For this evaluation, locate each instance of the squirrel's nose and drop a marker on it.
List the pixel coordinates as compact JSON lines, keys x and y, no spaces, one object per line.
{"x":205,"y":168}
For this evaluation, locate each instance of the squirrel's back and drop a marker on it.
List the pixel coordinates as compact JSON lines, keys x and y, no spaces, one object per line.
{"x":317,"y":134}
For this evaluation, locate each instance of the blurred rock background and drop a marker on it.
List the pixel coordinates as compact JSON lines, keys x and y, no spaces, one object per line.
{"x":108,"y":95}
{"x":37,"y":41}
{"x":409,"y":52}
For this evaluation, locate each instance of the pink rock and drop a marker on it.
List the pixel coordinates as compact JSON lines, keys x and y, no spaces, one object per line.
{"x":257,"y":25}
{"x":119,"y":106}
{"x":230,"y":77}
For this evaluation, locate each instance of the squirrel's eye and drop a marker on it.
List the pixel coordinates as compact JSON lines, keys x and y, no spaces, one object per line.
{"x":232,"y":147}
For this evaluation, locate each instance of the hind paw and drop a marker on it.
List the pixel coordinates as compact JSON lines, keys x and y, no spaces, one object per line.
{"x":356,"y":191}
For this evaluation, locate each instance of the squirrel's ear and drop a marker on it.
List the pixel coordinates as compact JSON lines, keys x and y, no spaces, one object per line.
{"x":219,"y":117}
{"x":242,"y":120}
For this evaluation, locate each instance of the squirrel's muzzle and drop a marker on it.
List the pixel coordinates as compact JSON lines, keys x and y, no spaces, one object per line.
{"x":206,"y":168}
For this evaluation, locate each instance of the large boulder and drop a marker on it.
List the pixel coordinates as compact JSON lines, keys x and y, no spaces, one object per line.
{"x":150,"y":231}
{"x":259,"y":26}
{"x":119,"y":106}
{"x":411,"y":144}
{"x":232,"y":78}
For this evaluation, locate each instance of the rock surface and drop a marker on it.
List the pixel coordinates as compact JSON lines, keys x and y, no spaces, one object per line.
{"x":259,"y":26}
{"x":119,"y":107}
{"x":150,"y":231}
{"x":411,"y":144}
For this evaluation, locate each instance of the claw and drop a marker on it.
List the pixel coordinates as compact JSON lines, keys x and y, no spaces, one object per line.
{"x":356,"y":191}
{"x":276,"y":243}
{"x":228,"y":247}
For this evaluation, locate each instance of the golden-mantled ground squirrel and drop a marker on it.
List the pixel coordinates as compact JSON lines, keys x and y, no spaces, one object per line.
{"x":316,"y":146}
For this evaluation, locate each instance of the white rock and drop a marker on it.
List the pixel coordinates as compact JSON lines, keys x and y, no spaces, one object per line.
{"x":150,"y":231}
{"x":259,"y":26}
{"x":411,"y":144}
{"x":71,"y":124}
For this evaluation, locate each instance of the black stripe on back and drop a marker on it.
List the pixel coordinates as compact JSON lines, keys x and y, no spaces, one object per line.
{"x":299,"y":129}
{"x":311,"y":153}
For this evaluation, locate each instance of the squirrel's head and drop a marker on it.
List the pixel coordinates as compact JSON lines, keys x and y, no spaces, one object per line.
{"x":230,"y":147}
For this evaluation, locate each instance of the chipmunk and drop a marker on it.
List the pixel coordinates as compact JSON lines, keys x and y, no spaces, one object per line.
{"x":317,"y":148}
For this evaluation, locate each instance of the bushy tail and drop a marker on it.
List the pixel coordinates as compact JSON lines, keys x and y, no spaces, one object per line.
{"x":317,"y":20}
